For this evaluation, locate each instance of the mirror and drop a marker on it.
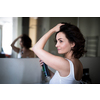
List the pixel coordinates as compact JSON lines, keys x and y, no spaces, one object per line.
{"x":36,"y":27}
{"x":11,"y":28}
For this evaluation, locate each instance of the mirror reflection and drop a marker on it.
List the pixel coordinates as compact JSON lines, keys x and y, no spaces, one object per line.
{"x":25,"y":44}
{"x":35,"y":27}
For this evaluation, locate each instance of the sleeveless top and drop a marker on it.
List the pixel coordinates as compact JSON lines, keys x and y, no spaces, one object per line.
{"x":20,"y":54}
{"x":70,"y":79}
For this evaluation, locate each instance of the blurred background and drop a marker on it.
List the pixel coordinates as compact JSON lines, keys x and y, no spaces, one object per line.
{"x":35,"y":27}
{"x":28,"y":70}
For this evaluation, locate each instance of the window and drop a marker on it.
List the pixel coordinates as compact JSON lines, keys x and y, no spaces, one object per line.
{"x":92,"y":46}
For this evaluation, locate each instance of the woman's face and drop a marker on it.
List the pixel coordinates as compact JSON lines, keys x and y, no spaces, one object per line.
{"x":21,"y":44}
{"x":63,"y":45}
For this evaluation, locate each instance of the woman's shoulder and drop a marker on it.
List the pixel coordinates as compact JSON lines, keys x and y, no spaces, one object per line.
{"x":31,"y":53}
{"x":65,"y":68}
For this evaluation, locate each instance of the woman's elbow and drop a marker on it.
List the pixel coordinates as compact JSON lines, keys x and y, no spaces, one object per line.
{"x":34,"y":48}
{"x":11,"y":45}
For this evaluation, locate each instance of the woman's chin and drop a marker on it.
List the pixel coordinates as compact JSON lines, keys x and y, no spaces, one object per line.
{"x":60,"y":53}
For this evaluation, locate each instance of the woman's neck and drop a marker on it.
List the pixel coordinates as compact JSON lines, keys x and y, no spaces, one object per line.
{"x":69,"y":55}
{"x":25,"y":50}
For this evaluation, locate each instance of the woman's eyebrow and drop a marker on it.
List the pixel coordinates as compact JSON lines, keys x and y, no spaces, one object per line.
{"x":59,"y":38}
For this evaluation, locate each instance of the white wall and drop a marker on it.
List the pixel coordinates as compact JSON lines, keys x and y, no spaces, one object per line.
{"x":20,"y":71}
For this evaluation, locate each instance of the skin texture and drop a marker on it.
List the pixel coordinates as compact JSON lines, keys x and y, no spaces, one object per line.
{"x":64,"y":47}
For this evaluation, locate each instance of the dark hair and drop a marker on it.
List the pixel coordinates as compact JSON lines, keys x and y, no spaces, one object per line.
{"x":73,"y":34}
{"x":26,"y":41}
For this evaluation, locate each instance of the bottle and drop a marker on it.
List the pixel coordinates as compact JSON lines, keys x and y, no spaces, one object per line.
{"x":45,"y":70}
{"x":46,"y":73}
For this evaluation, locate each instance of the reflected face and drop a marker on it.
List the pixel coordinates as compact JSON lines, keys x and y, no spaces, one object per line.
{"x":63,"y":45}
{"x":21,"y":43}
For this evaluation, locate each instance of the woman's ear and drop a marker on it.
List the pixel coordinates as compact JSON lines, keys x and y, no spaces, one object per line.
{"x":72,"y":44}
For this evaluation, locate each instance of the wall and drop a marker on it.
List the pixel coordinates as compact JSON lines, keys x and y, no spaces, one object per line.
{"x":94,"y":68}
{"x":25,"y":25}
{"x":20,"y":71}
{"x":89,"y":26}
{"x":43,"y":27}
{"x":33,"y":30}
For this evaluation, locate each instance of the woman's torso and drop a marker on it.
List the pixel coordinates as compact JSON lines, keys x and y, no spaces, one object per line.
{"x":74,"y":76}
{"x":28,"y":54}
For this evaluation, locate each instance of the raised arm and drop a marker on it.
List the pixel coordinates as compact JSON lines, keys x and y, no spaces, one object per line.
{"x":55,"y":62}
{"x":16,"y":49}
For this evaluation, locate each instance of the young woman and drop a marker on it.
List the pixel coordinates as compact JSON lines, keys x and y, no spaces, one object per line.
{"x":70,"y":42}
{"x":25,"y":43}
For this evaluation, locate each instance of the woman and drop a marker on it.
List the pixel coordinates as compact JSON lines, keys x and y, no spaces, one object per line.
{"x":25,"y":43}
{"x":70,"y":42}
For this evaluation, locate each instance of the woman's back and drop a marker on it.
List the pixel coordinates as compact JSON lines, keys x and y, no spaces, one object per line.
{"x":78,"y":69}
{"x":28,"y":54}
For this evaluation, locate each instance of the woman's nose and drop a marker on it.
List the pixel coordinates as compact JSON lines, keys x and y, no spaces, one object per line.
{"x":56,"y":45}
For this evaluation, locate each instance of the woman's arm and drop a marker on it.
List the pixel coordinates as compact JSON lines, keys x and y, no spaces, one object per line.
{"x":55,"y":62}
{"x":13,"y":43}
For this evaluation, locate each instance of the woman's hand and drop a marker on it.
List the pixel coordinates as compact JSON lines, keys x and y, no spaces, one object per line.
{"x":41,"y":62}
{"x":57,"y":27}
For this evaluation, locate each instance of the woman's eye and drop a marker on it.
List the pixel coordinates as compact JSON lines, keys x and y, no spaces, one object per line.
{"x":61,"y":41}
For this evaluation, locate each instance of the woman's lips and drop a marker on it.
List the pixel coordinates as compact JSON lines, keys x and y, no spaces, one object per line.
{"x":58,"y":49}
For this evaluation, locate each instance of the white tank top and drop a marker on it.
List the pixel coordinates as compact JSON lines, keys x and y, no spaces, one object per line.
{"x":70,"y":79}
{"x":20,"y":54}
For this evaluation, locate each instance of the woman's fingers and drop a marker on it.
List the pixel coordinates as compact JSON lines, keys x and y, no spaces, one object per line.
{"x":57,"y":27}
{"x":41,"y":62}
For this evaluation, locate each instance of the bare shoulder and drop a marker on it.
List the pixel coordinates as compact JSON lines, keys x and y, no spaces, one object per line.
{"x":62,"y":63}
{"x":65,"y":67}
{"x":31,"y":54}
